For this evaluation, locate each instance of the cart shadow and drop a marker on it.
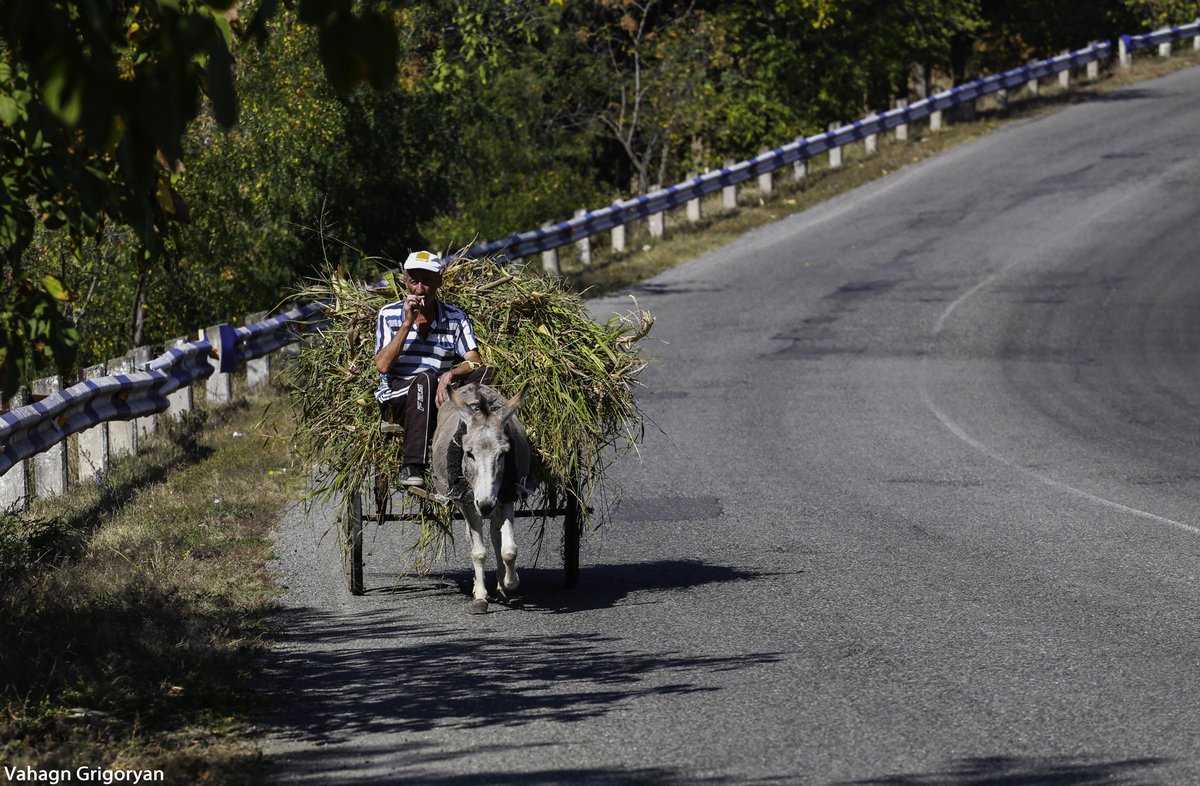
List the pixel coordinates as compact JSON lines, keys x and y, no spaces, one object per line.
{"x":599,"y":586}
{"x":334,"y":678}
{"x":607,"y":586}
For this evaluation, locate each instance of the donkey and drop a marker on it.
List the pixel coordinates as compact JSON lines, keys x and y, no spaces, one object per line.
{"x":481,"y":461}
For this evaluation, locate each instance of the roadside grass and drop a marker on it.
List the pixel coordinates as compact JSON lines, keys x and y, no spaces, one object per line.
{"x":129,"y":633}
{"x":132,"y":611}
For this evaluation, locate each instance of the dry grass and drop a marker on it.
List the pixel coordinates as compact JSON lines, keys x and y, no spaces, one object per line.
{"x":580,"y":376}
{"x":125,"y":641}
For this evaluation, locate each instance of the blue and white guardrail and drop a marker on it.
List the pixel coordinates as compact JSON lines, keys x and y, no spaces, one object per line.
{"x":263,"y":338}
{"x":28,"y":430}
{"x":1164,"y":36}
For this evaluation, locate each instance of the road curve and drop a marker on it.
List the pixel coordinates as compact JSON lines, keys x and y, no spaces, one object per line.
{"x":922,"y":507}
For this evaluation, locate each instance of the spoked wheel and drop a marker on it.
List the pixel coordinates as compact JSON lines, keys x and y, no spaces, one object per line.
{"x":352,"y":546}
{"x":572,"y":529}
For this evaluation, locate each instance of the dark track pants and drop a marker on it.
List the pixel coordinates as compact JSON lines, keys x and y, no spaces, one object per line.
{"x":416,"y":411}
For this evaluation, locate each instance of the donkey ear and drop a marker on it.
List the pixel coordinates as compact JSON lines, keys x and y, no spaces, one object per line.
{"x":513,"y":404}
{"x":461,"y":407}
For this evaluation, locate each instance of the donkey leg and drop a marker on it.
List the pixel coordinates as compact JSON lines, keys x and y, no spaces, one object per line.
{"x":478,"y":550}
{"x":505,"y":545}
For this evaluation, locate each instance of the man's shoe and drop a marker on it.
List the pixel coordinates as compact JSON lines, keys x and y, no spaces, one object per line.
{"x":390,"y":428}
{"x":412,"y":475}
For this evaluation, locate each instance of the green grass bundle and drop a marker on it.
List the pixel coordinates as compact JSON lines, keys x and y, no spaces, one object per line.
{"x":580,"y":411}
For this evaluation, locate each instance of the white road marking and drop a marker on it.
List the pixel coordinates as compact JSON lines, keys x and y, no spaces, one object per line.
{"x":962,"y":434}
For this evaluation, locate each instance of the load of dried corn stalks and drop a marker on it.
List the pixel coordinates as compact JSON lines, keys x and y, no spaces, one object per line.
{"x":580,"y":411}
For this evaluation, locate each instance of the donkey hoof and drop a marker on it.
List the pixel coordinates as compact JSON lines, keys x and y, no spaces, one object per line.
{"x":479,"y":606}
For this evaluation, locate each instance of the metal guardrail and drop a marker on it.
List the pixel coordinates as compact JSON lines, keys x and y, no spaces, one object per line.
{"x":1164,"y":36}
{"x":29,"y":430}
{"x":263,"y":338}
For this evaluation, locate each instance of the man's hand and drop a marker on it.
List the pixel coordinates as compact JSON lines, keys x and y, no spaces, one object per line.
{"x":412,"y":304}
{"x":443,"y":389}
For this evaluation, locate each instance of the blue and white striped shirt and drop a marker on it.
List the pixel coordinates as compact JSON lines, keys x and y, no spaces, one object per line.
{"x":450,"y":336}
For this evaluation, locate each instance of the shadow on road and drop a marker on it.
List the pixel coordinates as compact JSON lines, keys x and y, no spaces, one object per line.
{"x":424,"y":764}
{"x":374,"y":675}
{"x":600,"y":586}
{"x":1023,"y":771}
{"x":605,"y":586}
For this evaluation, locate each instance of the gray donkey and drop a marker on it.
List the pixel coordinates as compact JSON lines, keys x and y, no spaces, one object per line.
{"x":482,"y":461}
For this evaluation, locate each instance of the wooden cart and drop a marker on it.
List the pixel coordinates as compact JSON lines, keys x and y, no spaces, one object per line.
{"x":351,"y":526}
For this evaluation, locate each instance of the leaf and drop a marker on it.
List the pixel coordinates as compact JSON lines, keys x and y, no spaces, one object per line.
{"x":62,"y":97}
{"x":8,"y":111}
{"x":55,"y":288}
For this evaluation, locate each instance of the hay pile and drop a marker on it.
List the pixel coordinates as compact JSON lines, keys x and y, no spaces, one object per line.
{"x":580,"y":410}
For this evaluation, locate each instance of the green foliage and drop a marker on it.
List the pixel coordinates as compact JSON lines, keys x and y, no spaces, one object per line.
{"x":33,"y":333}
{"x":95,"y":100}
{"x":1020,"y":30}
{"x":1153,"y":14}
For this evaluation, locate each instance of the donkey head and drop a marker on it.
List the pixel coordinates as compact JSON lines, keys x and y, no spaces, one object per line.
{"x":485,"y":445}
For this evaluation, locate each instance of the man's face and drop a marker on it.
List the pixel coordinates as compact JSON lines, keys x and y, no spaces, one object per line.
{"x":422,"y":282}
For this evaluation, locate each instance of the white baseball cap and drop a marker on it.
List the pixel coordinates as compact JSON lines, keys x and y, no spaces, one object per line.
{"x":424,"y":260}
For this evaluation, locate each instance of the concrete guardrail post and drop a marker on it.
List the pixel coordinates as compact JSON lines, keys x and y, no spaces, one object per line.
{"x":122,"y":436}
{"x":180,"y":401}
{"x":218,"y":388}
{"x":14,"y":484}
{"x":1032,"y":87}
{"x":618,"y":238}
{"x":1123,"y":53}
{"x":694,"y":212}
{"x":902,"y":129}
{"x":145,"y":425}
{"x":258,"y":370}
{"x":657,"y":221}
{"x":93,"y":442}
{"x":1093,"y":66}
{"x":871,"y":141}
{"x":1196,"y":39}
{"x":1064,"y":77}
{"x":766,"y":180}
{"x":800,"y":170}
{"x":550,"y":258}
{"x":50,"y":466}
{"x":1164,"y":49}
{"x":583,"y":244}
{"x":729,"y":193}
{"x":835,"y":153}
{"x":936,"y":121}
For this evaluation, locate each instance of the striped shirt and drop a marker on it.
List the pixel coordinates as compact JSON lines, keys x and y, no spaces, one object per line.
{"x":450,"y":336}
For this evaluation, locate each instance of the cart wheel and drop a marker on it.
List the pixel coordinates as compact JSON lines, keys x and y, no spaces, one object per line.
{"x":572,"y":528}
{"x":352,"y":553}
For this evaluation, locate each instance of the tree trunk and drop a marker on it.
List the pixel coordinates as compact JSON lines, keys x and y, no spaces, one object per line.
{"x":138,"y":320}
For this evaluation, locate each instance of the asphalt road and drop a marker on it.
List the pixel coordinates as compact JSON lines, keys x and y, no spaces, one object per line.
{"x":921,"y":508}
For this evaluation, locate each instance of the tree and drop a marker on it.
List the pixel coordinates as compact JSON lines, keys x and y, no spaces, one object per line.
{"x":95,"y":98}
